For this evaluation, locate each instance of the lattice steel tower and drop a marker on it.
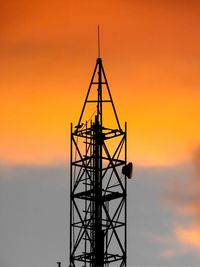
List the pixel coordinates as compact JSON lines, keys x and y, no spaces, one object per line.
{"x":99,"y":171}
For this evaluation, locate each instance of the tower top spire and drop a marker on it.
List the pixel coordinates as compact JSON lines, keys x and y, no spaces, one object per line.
{"x":99,"y":48}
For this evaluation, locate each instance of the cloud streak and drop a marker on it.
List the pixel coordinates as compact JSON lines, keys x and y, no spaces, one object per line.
{"x":184,"y":199}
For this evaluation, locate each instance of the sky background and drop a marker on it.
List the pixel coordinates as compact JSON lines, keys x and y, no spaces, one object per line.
{"x":150,"y":52}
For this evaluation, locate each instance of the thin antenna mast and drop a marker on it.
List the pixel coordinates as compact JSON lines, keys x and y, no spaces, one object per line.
{"x":98,"y":42}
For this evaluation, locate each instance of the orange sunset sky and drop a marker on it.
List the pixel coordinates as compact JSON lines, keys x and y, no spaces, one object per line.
{"x":150,"y":52}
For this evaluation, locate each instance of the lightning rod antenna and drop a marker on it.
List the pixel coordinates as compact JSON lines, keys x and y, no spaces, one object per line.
{"x":98,"y":42}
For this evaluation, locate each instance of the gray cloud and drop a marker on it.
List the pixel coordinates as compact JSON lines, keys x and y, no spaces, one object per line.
{"x":34,"y":219}
{"x":34,"y":228}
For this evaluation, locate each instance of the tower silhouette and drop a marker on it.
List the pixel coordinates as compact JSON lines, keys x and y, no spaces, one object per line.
{"x":98,"y":180}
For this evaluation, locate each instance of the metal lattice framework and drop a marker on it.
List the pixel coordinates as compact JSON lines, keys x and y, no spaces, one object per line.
{"x":98,"y":188}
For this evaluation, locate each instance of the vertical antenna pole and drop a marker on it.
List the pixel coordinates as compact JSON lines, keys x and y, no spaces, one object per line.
{"x":71,"y":237}
{"x":98,"y":42}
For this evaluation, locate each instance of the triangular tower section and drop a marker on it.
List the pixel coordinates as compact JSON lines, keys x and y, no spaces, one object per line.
{"x":99,"y":105}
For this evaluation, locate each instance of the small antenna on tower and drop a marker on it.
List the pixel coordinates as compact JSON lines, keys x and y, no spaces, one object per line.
{"x":98,"y":42}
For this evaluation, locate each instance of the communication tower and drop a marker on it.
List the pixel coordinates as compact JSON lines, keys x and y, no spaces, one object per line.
{"x":98,"y":180}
